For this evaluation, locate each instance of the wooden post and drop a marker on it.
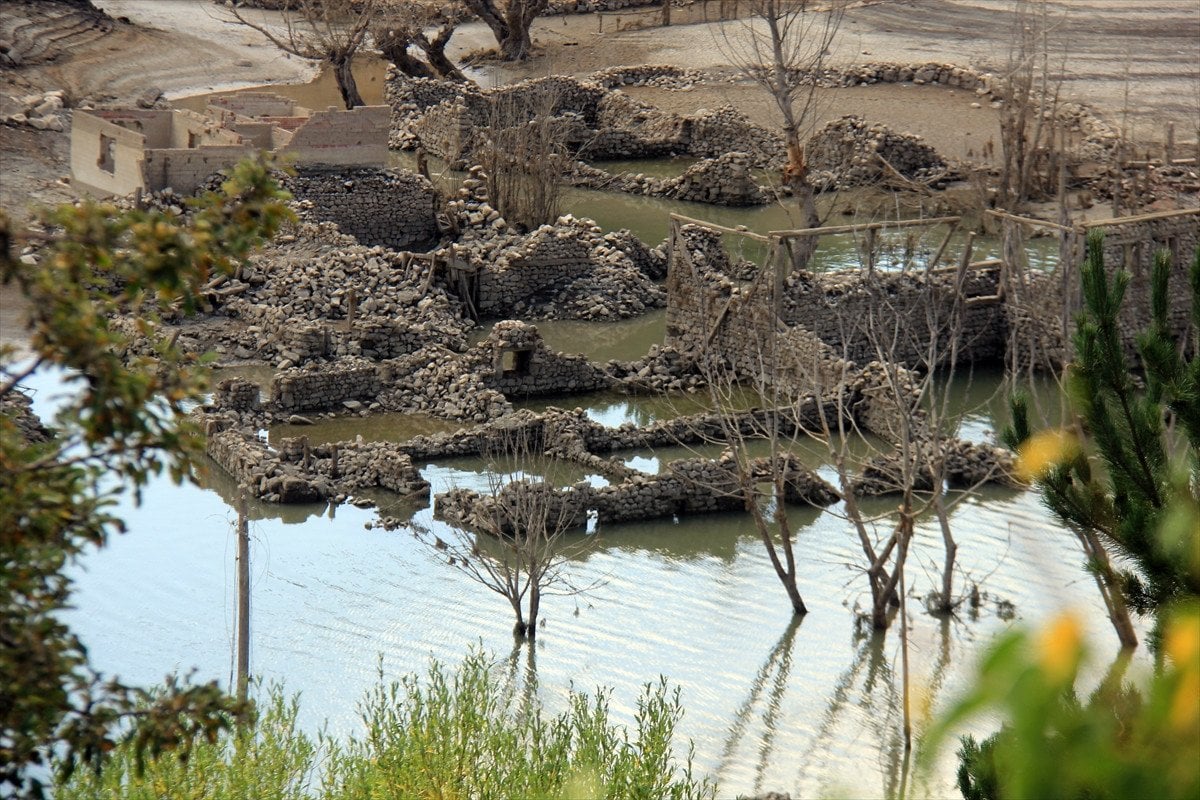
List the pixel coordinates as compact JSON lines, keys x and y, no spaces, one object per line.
{"x":942,"y":247}
{"x":333,"y":466}
{"x":870,"y":246}
{"x":1169,"y":154}
{"x":599,"y":22}
{"x":965,"y":261}
{"x":243,"y":606}
{"x":666,"y":13}
{"x":306,"y":460}
{"x":351,"y":309}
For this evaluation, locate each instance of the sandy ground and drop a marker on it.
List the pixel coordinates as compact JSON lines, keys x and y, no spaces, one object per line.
{"x":1095,"y":44}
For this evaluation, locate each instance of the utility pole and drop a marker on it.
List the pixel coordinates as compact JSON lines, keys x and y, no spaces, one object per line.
{"x":243,"y":602}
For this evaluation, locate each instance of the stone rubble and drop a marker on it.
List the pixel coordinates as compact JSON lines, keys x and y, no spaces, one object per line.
{"x":42,"y":112}
{"x":849,"y":152}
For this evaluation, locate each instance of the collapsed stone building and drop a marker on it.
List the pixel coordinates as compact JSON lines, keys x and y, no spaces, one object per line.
{"x":123,"y":151}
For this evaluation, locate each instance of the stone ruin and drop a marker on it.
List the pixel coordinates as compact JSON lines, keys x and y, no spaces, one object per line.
{"x":568,"y":270}
{"x":726,"y":181}
{"x":848,"y":152}
{"x":387,"y":207}
{"x":448,"y":120}
{"x":1040,"y":306}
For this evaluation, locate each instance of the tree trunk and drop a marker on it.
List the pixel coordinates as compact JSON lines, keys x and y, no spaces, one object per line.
{"x":535,"y":600}
{"x":395,"y":50}
{"x":798,"y":607}
{"x":944,"y":603}
{"x":343,"y":72}
{"x":519,"y":627}
{"x":516,"y":45}
{"x":435,"y":51}
{"x":510,"y":26}
{"x":795,"y":175}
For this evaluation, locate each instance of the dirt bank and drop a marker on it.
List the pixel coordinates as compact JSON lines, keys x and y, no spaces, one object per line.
{"x":1155,"y":43}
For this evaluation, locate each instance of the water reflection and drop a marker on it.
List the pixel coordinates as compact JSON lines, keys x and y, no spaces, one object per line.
{"x":776,"y":671}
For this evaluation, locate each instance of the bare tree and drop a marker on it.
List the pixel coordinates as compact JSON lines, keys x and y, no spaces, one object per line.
{"x":1031,"y":137}
{"x":330,"y":31}
{"x":782,"y":47}
{"x":514,"y":539}
{"x":509,"y":21}
{"x":815,"y":391}
{"x":523,"y":150}
{"x":425,"y":26}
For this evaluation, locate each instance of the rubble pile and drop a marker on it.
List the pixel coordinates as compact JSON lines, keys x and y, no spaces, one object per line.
{"x":662,"y":76}
{"x":850,"y":152}
{"x":42,"y":112}
{"x":314,"y":275}
{"x":297,"y":473}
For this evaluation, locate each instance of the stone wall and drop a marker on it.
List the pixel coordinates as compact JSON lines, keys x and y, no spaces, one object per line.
{"x":568,"y":270}
{"x":322,"y":386}
{"x":512,"y":362}
{"x":687,"y":486}
{"x":450,"y":120}
{"x":515,"y":361}
{"x":725,"y":181}
{"x":375,"y":206}
{"x":1040,"y":306}
{"x":297,"y":473}
{"x":848,"y":310}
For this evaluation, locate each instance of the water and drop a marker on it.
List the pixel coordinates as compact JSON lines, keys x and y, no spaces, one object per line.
{"x":810,"y":708}
{"x":771,"y":705}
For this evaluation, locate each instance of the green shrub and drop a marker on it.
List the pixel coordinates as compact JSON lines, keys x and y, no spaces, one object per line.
{"x":447,"y":734}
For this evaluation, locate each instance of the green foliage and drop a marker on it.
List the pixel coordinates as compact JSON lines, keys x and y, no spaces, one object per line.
{"x":1147,"y":483}
{"x":976,"y":776}
{"x":121,"y":423}
{"x":1127,"y":741}
{"x":448,"y":734}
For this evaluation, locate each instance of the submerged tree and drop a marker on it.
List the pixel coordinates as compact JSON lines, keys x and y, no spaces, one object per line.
{"x":329,"y":31}
{"x":514,"y":539}
{"x":121,"y":423}
{"x":1146,"y":439}
{"x":783,"y":47}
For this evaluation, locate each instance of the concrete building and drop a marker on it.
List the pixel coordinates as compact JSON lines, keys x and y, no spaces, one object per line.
{"x":118,"y":152}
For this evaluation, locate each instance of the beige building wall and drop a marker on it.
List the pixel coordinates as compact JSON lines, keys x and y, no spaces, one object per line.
{"x":121,"y":151}
{"x":106,"y":158}
{"x":343,"y":138}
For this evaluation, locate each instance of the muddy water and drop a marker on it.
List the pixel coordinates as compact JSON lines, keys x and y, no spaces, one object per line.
{"x":812,"y":708}
{"x":808,"y":708}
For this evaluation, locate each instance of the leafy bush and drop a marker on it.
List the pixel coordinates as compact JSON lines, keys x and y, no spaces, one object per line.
{"x":1128,"y":740}
{"x":460,"y":734}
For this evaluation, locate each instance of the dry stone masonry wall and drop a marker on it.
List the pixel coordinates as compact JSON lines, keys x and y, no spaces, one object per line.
{"x":375,"y":206}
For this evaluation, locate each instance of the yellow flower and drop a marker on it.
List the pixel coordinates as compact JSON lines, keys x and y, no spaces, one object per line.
{"x":1060,"y":647}
{"x":1182,"y":645}
{"x":1044,"y":450}
{"x":1183,"y":640}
